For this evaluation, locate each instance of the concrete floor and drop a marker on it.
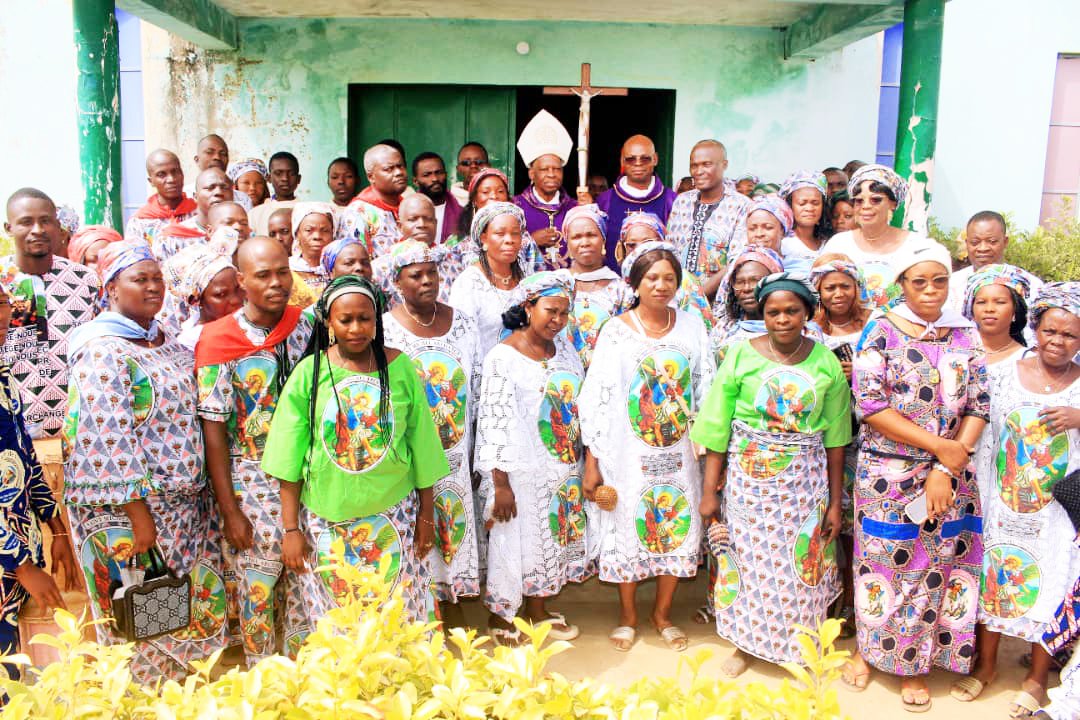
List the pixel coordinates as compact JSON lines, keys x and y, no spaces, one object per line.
{"x":593,"y":607}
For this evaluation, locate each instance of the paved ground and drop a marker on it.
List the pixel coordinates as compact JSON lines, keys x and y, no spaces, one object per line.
{"x":592,"y":607}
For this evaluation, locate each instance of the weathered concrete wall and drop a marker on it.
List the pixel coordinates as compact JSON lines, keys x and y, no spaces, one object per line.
{"x":40,"y":139}
{"x":287,"y":87}
{"x":997,"y":83}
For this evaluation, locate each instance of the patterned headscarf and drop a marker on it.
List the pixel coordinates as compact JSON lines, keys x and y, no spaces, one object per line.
{"x":246,"y":165}
{"x":118,"y":257}
{"x":1010,"y":276}
{"x":193,"y":268}
{"x":748,"y":176}
{"x":819,"y":271}
{"x":68,"y":218}
{"x":331,"y":251}
{"x":764,"y":189}
{"x":592,"y":212}
{"x":804,"y":178}
{"x":486,"y":173}
{"x":348,"y":285}
{"x":775,"y":206}
{"x":640,"y":217}
{"x":549,"y":283}
{"x":489,"y":212}
{"x":878,"y":173}
{"x":302,"y":209}
{"x":411,"y":252}
{"x":1064,"y":295}
{"x":754,"y":253}
{"x":628,"y":263}
{"x":82,"y":239}
{"x":786,"y":281}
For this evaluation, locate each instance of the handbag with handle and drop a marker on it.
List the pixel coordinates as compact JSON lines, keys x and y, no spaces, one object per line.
{"x":1067,"y":492}
{"x":159,"y":605}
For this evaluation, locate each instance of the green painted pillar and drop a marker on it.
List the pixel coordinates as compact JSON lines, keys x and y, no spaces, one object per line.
{"x":916,"y":127}
{"x":97,"y":55}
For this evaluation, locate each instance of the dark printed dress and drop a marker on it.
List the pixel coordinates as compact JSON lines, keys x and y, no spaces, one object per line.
{"x":916,"y":586}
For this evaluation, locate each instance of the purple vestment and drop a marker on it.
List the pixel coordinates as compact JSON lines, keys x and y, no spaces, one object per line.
{"x":540,"y":215}
{"x":617,"y":204}
{"x":450,"y":217}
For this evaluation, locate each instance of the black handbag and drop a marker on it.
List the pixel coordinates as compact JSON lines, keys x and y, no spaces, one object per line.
{"x":1067,"y":492}
{"x":159,"y":605}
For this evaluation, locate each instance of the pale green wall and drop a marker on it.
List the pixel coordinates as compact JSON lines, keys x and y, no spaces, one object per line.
{"x":287,"y":87}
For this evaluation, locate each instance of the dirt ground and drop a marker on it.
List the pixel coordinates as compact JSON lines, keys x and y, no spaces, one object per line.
{"x":593,"y":606}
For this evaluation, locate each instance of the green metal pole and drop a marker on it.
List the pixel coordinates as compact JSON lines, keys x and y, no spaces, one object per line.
{"x":97,"y":53}
{"x":916,"y":127}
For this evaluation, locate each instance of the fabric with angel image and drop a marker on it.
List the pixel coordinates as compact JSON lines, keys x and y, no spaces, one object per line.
{"x":592,"y":309}
{"x":1031,"y":560}
{"x":527,"y":427}
{"x":925,"y":578}
{"x":448,"y":368}
{"x":636,"y":407}
{"x":775,"y":422}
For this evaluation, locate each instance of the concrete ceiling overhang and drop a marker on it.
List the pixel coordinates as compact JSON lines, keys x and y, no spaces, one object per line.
{"x":811,"y":28}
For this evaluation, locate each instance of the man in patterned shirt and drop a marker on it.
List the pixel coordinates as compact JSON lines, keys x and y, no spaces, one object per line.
{"x":50,"y":297}
{"x":168,"y":204}
{"x":241,"y":362}
{"x":704,"y":222}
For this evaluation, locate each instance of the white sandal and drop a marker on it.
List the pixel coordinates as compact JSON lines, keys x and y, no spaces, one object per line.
{"x":623,"y":634}
{"x":560,"y":629}
{"x":507,"y":637}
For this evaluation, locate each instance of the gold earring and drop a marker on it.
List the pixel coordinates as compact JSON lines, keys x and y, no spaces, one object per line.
{"x":330,"y":332}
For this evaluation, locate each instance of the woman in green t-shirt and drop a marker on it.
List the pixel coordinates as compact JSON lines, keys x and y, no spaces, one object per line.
{"x":356,"y":451}
{"x":780,"y":408}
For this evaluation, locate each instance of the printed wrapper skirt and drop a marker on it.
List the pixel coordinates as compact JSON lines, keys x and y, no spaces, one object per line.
{"x":190,"y":541}
{"x":778,"y":571}
{"x":916,"y":586}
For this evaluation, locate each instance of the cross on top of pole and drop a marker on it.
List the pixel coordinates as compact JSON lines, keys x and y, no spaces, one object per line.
{"x":585,"y":90}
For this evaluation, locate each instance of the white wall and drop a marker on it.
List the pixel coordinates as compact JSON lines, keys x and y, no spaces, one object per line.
{"x":39,"y":145}
{"x":997,"y":82}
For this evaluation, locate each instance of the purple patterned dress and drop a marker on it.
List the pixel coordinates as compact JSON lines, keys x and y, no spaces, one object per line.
{"x":916,"y":587}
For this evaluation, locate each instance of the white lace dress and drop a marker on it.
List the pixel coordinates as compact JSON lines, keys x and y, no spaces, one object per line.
{"x":528,"y":427}
{"x":636,"y":407}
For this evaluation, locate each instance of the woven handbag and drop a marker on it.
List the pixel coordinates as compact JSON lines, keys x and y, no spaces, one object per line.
{"x":1067,"y":492}
{"x":159,"y":605}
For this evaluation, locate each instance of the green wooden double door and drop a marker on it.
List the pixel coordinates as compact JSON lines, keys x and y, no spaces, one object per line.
{"x":436,"y":118}
{"x":442,"y":118}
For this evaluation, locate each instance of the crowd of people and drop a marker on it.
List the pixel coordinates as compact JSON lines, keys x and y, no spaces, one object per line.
{"x":486,"y":395}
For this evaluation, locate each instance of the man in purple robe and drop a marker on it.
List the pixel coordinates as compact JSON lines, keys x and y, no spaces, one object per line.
{"x":637,"y":189}
{"x":545,"y":147}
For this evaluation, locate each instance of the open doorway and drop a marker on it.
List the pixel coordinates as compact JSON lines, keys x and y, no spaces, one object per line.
{"x":613,"y":120}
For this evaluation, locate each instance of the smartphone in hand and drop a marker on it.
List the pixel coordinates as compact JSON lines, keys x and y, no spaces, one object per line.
{"x":844,"y":353}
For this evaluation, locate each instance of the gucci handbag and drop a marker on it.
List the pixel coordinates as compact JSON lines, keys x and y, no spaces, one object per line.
{"x":156,"y":604}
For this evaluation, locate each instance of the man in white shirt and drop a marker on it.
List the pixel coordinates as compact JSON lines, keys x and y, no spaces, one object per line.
{"x":985,"y":239}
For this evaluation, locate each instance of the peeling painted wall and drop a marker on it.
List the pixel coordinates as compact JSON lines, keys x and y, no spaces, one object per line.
{"x":40,"y":142}
{"x":287,"y":86}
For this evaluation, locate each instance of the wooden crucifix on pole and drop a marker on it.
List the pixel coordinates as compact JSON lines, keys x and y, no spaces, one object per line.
{"x":586,"y":92}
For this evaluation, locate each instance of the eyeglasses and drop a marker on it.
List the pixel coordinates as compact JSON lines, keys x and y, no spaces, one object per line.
{"x":637,"y":159}
{"x":874,"y":200}
{"x":472,"y":163}
{"x":940,"y":282}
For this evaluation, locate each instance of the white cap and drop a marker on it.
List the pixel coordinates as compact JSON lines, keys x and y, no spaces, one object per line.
{"x":544,"y":135}
{"x":925,"y":251}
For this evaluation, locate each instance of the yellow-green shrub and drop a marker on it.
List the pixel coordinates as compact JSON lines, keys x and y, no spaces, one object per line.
{"x":367,"y":660}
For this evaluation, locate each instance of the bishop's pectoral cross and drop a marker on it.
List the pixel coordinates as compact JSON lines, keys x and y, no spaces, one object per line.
{"x":586,"y":92}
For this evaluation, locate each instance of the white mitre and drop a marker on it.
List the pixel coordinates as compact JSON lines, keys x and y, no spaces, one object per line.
{"x":544,"y":135}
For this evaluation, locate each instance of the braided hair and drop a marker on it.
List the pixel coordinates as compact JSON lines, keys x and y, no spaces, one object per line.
{"x":319,"y":343}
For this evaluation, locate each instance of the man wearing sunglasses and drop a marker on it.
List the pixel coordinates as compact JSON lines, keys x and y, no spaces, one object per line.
{"x":637,"y":189}
{"x":471,"y":159}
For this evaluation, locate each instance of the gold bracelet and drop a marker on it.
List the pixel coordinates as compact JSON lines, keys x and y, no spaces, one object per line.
{"x":61,"y":534}
{"x":429,"y":522}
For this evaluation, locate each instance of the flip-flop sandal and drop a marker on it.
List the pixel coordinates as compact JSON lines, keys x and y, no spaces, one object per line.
{"x":507,"y":637}
{"x":1024,"y":705}
{"x":703,"y":616}
{"x":734,"y":666}
{"x":853,"y":681}
{"x":916,"y":707}
{"x":968,"y":688}
{"x":560,"y":629}
{"x":674,"y":638}
{"x":623,"y":634}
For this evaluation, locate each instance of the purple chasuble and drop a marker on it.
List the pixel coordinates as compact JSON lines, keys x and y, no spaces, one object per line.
{"x":540,"y":216}
{"x":617,"y":204}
